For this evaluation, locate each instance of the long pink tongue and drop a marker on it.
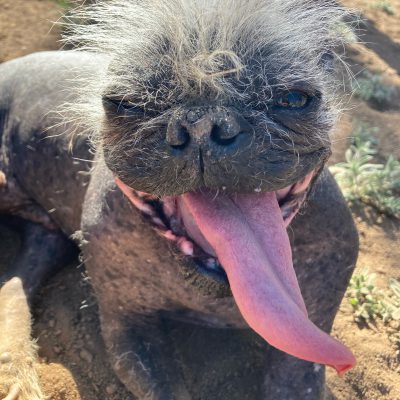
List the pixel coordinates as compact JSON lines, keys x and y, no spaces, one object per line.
{"x":248,"y":235}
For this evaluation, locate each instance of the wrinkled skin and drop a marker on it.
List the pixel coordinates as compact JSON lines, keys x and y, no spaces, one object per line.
{"x":142,"y":287}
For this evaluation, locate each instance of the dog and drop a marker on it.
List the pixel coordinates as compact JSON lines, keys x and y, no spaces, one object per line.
{"x":188,"y":165}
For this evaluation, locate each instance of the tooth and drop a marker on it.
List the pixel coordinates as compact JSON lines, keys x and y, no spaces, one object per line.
{"x":186,"y":246}
{"x":169,"y":235}
{"x":157,"y":221}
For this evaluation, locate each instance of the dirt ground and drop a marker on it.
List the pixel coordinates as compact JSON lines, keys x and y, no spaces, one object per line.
{"x":73,"y":361}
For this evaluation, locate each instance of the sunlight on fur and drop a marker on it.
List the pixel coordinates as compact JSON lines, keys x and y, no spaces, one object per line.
{"x":18,"y":377}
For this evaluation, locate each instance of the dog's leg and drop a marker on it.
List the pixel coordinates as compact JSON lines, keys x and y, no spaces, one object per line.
{"x":43,"y":252}
{"x":142,"y":357}
{"x":325,"y":248}
{"x":139,"y":348}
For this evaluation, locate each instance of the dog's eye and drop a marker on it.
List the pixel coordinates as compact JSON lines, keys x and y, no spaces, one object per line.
{"x":292,"y":100}
{"x":120,"y":105}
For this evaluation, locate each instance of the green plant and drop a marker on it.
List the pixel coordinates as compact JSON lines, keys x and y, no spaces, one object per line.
{"x":371,"y":87}
{"x":363,"y":132}
{"x":370,"y":303}
{"x":394,"y":286}
{"x":385,"y":6}
{"x":363,"y":180}
{"x":363,"y":297}
{"x":66,"y":4}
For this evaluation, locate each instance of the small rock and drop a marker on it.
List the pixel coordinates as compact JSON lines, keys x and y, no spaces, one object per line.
{"x":394,"y":324}
{"x":111,"y":389}
{"x":86,"y":356}
{"x":57,"y":349}
{"x":51,"y":323}
{"x":5,"y":358}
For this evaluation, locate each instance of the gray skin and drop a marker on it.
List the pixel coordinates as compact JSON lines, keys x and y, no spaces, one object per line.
{"x":150,"y":300}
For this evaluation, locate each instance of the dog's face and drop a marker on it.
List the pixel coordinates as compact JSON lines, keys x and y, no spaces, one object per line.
{"x":270,"y":135}
{"x":199,"y":104}
{"x":216,"y":118}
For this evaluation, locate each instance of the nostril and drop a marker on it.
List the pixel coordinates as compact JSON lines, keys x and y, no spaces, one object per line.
{"x":179,"y":139}
{"x":222,"y":137}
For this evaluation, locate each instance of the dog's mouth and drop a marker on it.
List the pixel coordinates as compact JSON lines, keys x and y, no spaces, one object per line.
{"x":172,"y":220}
{"x":241,"y":238}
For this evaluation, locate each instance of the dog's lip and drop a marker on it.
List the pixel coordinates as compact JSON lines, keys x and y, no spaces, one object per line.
{"x":163,"y":214}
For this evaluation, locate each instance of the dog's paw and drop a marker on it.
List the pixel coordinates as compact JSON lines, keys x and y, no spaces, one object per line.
{"x":13,"y":393}
{"x":18,"y":377}
{"x":3,"y":180}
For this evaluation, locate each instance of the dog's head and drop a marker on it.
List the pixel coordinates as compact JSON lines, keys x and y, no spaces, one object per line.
{"x":225,"y":95}
{"x":215,"y":118}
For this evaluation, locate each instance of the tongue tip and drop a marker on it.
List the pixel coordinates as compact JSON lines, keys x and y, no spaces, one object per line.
{"x":341,"y":369}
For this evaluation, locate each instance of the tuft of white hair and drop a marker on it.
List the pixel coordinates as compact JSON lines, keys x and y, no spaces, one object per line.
{"x":213,"y":48}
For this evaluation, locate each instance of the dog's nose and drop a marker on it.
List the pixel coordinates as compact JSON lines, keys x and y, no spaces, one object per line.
{"x":224,"y":134}
{"x":178,"y":137}
{"x":216,"y":128}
